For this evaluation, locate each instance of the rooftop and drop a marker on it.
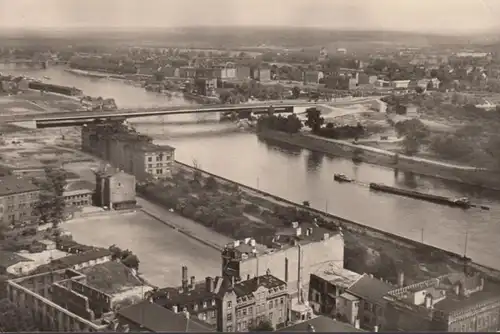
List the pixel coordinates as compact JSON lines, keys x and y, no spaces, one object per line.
{"x":74,"y":259}
{"x":321,"y":324}
{"x":177,"y":295}
{"x":156,"y":318}
{"x":337,"y":275}
{"x":150,"y":147}
{"x":286,"y":238}
{"x":79,"y":185}
{"x":453,"y":303}
{"x":110,"y":277}
{"x":370,"y":289}
{"x":10,"y":185}
{"x":248,"y":287}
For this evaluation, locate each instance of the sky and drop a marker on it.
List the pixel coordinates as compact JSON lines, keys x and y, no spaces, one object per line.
{"x":457,"y":16}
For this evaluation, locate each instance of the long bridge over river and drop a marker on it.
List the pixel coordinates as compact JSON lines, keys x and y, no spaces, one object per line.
{"x":61,"y":119}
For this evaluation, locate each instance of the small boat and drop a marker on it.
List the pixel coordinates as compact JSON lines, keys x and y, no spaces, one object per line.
{"x":339,"y":177}
{"x":462,"y":202}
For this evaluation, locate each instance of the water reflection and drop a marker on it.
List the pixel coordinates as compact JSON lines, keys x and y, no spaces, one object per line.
{"x":273,"y":145}
{"x":314,"y":161}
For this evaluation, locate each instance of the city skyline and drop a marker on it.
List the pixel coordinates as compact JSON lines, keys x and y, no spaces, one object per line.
{"x":457,"y":16}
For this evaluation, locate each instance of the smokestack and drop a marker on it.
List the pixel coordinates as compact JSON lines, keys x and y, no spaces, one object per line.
{"x":191,"y":283}
{"x":286,"y":269}
{"x":184,"y":277}
{"x":401,"y":279}
{"x":209,"y":284}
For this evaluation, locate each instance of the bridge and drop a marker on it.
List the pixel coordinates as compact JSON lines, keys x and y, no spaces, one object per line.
{"x":61,"y":119}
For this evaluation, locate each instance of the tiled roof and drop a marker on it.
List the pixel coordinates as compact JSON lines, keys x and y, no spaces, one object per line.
{"x":249,"y":286}
{"x":10,"y":185}
{"x":156,"y":318}
{"x":321,"y":324}
{"x":370,"y":289}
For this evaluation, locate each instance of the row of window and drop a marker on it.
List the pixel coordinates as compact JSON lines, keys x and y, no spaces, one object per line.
{"x":248,"y":311}
{"x":160,"y":158}
{"x":22,"y":197}
{"x":483,"y":322}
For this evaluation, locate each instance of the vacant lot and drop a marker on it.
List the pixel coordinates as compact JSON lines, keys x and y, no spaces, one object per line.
{"x":161,"y":249}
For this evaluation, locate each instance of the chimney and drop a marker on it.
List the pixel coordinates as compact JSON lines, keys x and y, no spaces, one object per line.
{"x":191,"y":283}
{"x":252,"y":242}
{"x":247,"y":240}
{"x":375,"y":328}
{"x":428,"y":301}
{"x":209,"y":284}
{"x":401,"y":279}
{"x":184,"y":277}
{"x":236,"y":243}
{"x":232,"y":281}
{"x":174,"y":309}
{"x":356,"y":324}
{"x":298,"y":231}
{"x":286,"y":269}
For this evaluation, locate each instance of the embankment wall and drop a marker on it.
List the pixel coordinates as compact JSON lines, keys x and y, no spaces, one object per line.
{"x":480,"y":178}
{"x":359,"y":228}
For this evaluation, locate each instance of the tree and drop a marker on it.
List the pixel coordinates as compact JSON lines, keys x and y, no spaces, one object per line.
{"x":263,"y":326}
{"x":51,"y":204}
{"x":414,"y":132}
{"x":211,"y":183}
{"x":314,"y":119}
{"x":296,"y":92}
{"x":15,"y":319}
{"x":131,"y":261}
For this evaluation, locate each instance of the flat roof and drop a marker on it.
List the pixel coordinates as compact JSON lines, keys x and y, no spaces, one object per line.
{"x":337,"y":275}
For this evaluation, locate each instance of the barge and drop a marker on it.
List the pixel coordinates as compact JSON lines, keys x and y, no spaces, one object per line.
{"x":463,"y":202}
{"x":339,"y":177}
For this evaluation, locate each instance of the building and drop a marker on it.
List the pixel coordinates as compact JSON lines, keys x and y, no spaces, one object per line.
{"x":206,"y":86}
{"x":400,"y":84}
{"x":115,"y":190}
{"x":341,"y":82}
{"x":410,"y":110}
{"x":292,"y":255}
{"x":200,"y":299}
{"x":18,"y":198}
{"x":261,"y":74}
{"x":78,"y":193}
{"x":127,"y":150}
{"x":247,"y":303}
{"x":321,"y":324}
{"x":326,"y":285}
{"x":363,"y":304}
{"x":312,"y":77}
{"x":365,"y":79}
{"x":457,"y":302}
{"x":243,"y":72}
{"x":150,"y":317}
{"x":227,"y":305}
{"x":68,"y":300}
{"x":171,"y":72}
{"x":187,"y":72}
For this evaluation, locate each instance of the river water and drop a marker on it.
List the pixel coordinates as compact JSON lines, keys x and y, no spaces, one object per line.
{"x":300,"y":175}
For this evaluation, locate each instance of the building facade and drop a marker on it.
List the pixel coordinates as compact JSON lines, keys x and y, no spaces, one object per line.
{"x":78,"y":194}
{"x":292,"y":255}
{"x":115,"y":190}
{"x":206,"y":86}
{"x":127,"y":150}
{"x":248,"y":303}
{"x":18,"y":198}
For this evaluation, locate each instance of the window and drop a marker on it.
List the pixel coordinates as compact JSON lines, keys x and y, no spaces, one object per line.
{"x":159,"y":158}
{"x":195,"y":307}
{"x":213,"y":302}
{"x":150,"y":165}
{"x":282,"y":300}
{"x":229,"y":328}
{"x":229,"y":304}
{"x":270,"y":304}
{"x":204,"y":304}
{"x":229,"y":317}
{"x":211,"y":314}
{"x":270,"y":315}
{"x":150,"y":159}
{"x":159,"y":171}
{"x":244,"y":311}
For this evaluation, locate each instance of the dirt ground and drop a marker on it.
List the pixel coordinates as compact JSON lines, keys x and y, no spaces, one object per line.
{"x":161,"y":249}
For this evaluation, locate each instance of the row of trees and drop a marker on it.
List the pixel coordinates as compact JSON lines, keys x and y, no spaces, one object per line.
{"x":51,"y":205}
{"x":289,"y":124}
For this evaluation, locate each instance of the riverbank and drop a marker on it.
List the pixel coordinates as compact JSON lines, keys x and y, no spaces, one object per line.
{"x":367,"y":249}
{"x":481,"y":178}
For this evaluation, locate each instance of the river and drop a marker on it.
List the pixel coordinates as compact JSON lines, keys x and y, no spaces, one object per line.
{"x":300,"y":175}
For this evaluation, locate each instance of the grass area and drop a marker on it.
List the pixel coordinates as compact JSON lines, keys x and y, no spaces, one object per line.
{"x":110,"y":277}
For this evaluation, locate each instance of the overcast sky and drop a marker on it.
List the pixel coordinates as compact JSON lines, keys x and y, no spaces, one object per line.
{"x":408,"y":15}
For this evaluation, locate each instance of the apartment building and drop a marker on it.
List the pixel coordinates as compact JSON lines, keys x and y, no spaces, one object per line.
{"x":18,"y":198}
{"x":293,"y":254}
{"x":128,"y":150}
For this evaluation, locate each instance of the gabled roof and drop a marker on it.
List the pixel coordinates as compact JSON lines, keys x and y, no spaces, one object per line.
{"x":155,"y":318}
{"x":10,"y":185}
{"x":370,"y":289}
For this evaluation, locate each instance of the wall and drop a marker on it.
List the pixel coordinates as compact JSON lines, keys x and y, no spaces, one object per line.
{"x":72,"y":301}
{"x":359,"y":228}
{"x":18,"y":208}
{"x":312,"y":254}
{"x":122,"y":188}
{"x":99,"y":302}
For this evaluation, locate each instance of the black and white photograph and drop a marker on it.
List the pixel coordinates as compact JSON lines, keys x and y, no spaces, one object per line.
{"x":250,"y":166}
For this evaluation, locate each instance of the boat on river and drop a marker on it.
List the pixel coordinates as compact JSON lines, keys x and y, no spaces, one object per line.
{"x":462,"y":202}
{"x":339,"y":177}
